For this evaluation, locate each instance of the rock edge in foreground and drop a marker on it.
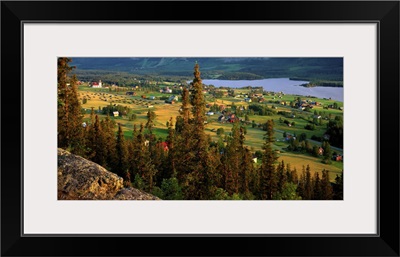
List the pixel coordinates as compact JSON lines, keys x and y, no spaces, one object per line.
{"x":81,"y":179}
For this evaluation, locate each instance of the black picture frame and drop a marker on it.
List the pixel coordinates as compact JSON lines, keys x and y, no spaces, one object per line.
{"x":384,"y":13}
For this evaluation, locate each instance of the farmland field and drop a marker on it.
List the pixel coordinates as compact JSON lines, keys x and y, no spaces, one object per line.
{"x":101,"y":97}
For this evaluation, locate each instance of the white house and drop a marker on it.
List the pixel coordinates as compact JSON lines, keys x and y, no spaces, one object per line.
{"x":97,"y":84}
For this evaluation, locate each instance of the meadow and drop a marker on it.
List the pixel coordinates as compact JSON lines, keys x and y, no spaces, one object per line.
{"x":97,"y":98}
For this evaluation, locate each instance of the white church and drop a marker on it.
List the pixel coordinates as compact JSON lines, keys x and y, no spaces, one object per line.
{"x":97,"y":84}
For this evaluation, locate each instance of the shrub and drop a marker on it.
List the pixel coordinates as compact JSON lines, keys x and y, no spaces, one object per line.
{"x":220,"y":131}
{"x":310,"y":127}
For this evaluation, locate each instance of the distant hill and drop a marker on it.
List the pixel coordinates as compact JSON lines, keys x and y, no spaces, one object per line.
{"x":312,"y":69}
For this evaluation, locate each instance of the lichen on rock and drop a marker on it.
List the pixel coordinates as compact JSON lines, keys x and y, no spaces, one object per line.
{"x":81,"y":179}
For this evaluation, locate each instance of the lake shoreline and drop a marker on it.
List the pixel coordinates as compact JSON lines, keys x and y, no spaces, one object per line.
{"x":285,"y":85}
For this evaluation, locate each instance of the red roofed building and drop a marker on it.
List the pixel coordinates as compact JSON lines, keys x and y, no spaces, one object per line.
{"x":164,"y":145}
{"x":97,"y":84}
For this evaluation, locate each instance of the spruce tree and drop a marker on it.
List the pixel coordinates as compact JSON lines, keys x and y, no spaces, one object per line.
{"x":327,"y":155}
{"x":268,"y":179}
{"x":327,"y":192}
{"x":172,"y":151}
{"x":121,"y":167}
{"x":151,"y":116}
{"x":199,"y":179}
{"x":289,"y":174}
{"x":108,"y":129}
{"x":99,"y":145}
{"x":317,"y":187}
{"x":282,"y":178}
{"x":70,"y":132}
{"x":246,"y":172}
{"x":308,"y":189}
{"x":232,"y":160}
{"x":338,"y":187}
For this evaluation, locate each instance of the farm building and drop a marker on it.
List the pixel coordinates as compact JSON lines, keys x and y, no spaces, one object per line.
{"x":163,"y":145}
{"x":232,"y":118}
{"x":97,"y":84}
{"x":115,"y":114}
{"x":166,"y":90}
{"x":337,"y":158}
{"x":172,"y":99}
{"x":289,"y":137}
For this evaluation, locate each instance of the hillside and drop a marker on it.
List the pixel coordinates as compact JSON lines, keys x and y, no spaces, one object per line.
{"x":312,"y":69}
{"x":81,"y":179}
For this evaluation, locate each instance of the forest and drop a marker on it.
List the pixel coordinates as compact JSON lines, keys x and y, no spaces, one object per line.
{"x":188,"y":165}
{"x":321,"y":71}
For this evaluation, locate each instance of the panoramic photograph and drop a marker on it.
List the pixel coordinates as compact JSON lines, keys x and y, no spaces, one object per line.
{"x":200,"y":128}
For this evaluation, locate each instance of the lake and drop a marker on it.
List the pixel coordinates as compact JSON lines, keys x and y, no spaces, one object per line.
{"x":285,"y":85}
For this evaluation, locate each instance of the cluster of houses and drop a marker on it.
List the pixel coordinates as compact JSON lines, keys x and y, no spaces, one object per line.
{"x":303,"y":104}
{"x":248,"y":98}
{"x":230,"y":118}
{"x":166,"y":90}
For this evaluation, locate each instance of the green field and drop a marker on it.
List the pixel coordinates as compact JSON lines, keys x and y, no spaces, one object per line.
{"x":99,"y":98}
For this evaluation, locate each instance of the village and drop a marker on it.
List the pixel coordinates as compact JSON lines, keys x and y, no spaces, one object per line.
{"x":298,"y":119}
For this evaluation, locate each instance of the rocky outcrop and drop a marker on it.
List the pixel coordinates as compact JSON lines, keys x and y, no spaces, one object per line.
{"x":81,"y":179}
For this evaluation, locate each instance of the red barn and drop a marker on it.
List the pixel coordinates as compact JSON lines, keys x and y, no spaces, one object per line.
{"x":163,"y":145}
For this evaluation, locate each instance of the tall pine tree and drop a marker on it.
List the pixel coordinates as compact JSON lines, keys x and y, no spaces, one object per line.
{"x":268,"y":178}
{"x":70,"y":132}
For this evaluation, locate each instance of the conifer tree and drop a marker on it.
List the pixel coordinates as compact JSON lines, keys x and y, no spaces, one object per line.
{"x":108,"y":129}
{"x":301,"y":183}
{"x":326,"y":187}
{"x":185,"y":105}
{"x":246,"y":171}
{"x":295,"y":177}
{"x":121,"y":167}
{"x":150,"y":121}
{"x":232,"y":160}
{"x":137,"y":152}
{"x":317,"y":187}
{"x":327,"y":155}
{"x":308,"y":190}
{"x":268,"y":179}
{"x":282,"y":178}
{"x":172,"y":153}
{"x":99,"y":145}
{"x":199,"y":178}
{"x":70,"y":130}
{"x":338,"y":187}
